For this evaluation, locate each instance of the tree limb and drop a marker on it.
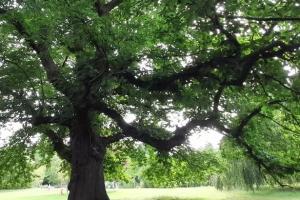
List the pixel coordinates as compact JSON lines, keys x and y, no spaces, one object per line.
{"x":178,"y":136}
{"x":199,"y":70}
{"x":40,"y":47}
{"x":62,"y":150}
{"x":168,"y":82}
{"x":113,"y":138}
{"x":42,"y":120}
{"x":272,"y":168}
{"x":275,"y":49}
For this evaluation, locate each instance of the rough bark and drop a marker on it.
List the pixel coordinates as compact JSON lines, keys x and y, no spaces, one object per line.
{"x":87,"y":175}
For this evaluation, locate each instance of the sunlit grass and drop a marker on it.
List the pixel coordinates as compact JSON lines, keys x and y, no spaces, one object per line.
{"x":202,"y":193}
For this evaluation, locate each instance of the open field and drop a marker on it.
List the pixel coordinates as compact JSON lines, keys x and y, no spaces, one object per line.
{"x":203,"y":193}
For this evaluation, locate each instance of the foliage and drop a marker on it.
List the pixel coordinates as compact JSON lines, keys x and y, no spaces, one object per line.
{"x":117,"y":161}
{"x":239,"y":171}
{"x":15,"y":167}
{"x":53,"y":174}
{"x":240,"y":174}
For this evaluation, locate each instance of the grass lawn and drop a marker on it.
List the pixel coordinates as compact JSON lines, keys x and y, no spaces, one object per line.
{"x":202,"y":193}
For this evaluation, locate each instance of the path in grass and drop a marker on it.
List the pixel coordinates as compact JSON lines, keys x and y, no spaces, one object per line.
{"x":202,"y":193}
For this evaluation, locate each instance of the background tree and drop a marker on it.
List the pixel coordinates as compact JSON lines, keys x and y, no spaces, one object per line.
{"x":73,"y":70}
{"x":185,"y":168}
{"x":238,"y":170}
{"x":53,"y":173}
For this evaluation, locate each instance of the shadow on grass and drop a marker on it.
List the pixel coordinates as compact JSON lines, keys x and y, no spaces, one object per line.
{"x":289,"y":189}
{"x":270,"y":191}
{"x":174,"y":198}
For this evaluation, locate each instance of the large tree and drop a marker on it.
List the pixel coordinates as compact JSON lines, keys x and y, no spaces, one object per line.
{"x":73,"y":70}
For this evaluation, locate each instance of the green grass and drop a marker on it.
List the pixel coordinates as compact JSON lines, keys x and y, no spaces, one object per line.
{"x":202,"y":193}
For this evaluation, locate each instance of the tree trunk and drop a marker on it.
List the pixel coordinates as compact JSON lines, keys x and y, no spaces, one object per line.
{"x":87,"y":175}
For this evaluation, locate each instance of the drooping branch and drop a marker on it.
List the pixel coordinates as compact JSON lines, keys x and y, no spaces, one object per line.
{"x":256,"y":75}
{"x":272,"y":168}
{"x":275,"y":49}
{"x":269,"y":31}
{"x":278,"y":123}
{"x":238,"y":131}
{"x":34,"y":115}
{"x":269,"y":165}
{"x":104,"y":9}
{"x":178,"y":136}
{"x":294,"y":116}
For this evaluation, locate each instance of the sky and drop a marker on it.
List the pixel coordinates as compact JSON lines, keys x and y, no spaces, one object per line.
{"x":7,"y":131}
{"x":199,"y":140}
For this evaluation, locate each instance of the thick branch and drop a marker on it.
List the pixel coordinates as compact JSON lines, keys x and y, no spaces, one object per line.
{"x":169,"y":82}
{"x":113,"y":138}
{"x":275,"y":49}
{"x":43,"y":53}
{"x":204,"y":69}
{"x":42,"y":120}
{"x":178,"y":136}
{"x":62,"y":150}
